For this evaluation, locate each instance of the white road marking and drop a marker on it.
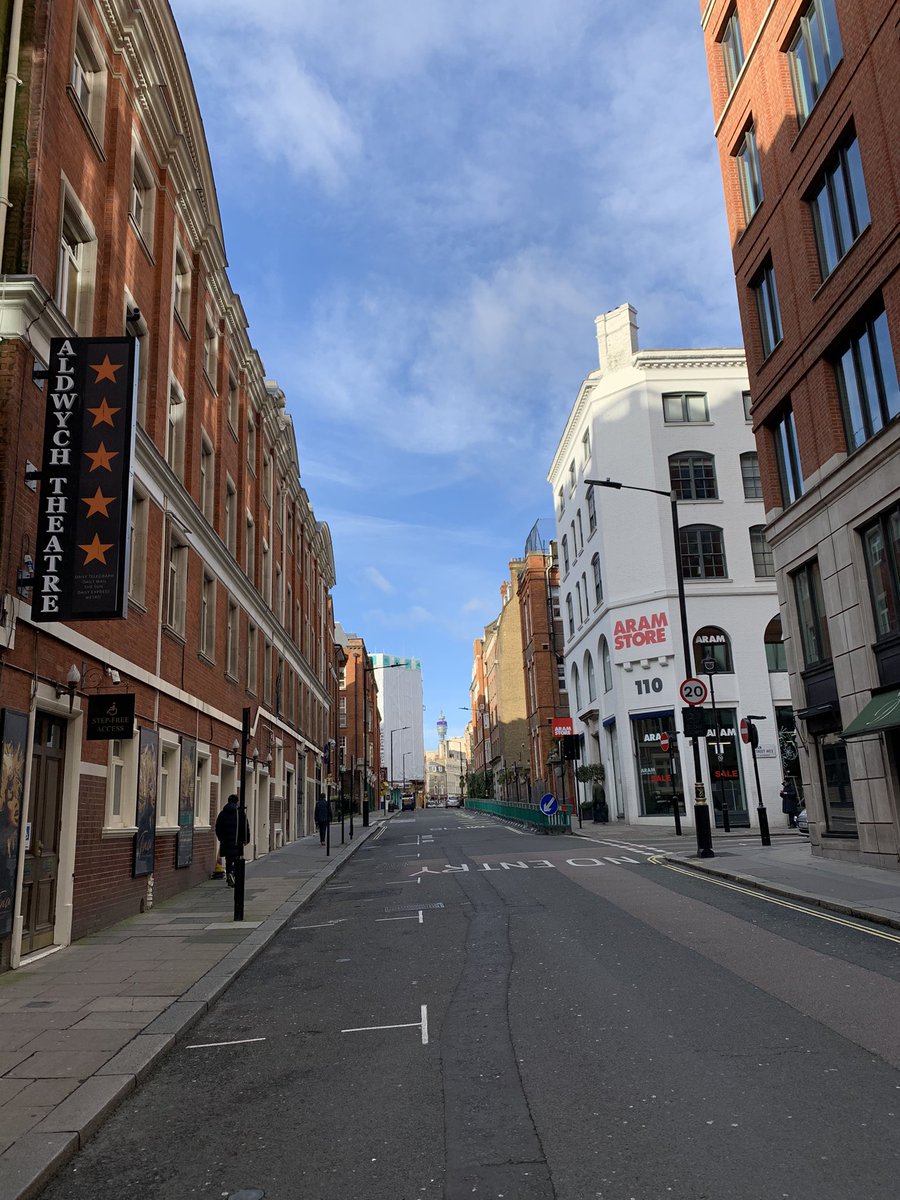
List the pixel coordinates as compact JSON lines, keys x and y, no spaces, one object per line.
{"x":421,"y":919}
{"x":424,"y":1024}
{"x":399,"y":918}
{"x":324,"y":925}
{"x":213,"y":1045}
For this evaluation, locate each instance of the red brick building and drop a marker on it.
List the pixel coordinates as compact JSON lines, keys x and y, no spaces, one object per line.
{"x":808,"y":127}
{"x":112,"y":228}
{"x":359,"y":737}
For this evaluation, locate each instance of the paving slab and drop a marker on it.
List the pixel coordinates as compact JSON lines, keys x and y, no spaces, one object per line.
{"x":139,"y":1055}
{"x":31,"y":1161}
{"x":83,"y":1111}
{"x":60,"y":1064}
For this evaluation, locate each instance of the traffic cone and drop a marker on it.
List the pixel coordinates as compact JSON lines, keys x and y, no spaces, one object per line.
{"x":219,"y":870}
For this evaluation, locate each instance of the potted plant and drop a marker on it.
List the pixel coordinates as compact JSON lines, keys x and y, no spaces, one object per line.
{"x":595,"y":774}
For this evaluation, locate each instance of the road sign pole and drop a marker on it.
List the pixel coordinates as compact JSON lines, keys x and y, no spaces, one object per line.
{"x":676,"y":803}
{"x":761,"y":814}
{"x":726,"y":822}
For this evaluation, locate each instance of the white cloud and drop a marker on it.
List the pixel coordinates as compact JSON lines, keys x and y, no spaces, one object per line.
{"x":377,"y":580}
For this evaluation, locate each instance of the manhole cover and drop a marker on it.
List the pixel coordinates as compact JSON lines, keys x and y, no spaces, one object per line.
{"x":410,"y":907}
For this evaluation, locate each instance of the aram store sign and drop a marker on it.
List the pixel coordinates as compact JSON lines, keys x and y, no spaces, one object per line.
{"x":642,"y":633}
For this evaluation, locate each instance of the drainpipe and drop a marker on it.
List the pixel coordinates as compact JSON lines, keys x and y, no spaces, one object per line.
{"x":9,"y":112}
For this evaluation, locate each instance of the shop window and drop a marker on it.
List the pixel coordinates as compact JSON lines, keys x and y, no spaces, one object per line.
{"x":713,"y":642}
{"x":655,"y":778}
{"x":693,"y":476}
{"x":840,"y":814}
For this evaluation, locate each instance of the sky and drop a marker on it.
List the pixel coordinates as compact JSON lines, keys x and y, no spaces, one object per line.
{"x":425,"y":204}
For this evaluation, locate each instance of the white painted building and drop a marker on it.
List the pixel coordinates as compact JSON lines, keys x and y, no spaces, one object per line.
{"x":668,"y":419}
{"x":399,"y":682}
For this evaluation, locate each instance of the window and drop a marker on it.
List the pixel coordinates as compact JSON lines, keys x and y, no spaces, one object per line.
{"x":167,"y":794}
{"x":750,"y":476}
{"x":267,"y":477}
{"x":75,"y":269}
{"x":763,"y":563}
{"x":592,"y":511}
{"x":767,"y":309}
{"x":570,"y":613}
{"x":748,"y":404}
{"x":252,"y":650}
{"x":230,"y":516}
{"x":232,"y":639}
{"x":574,"y":542}
{"x":267,"y":671}
{"x":776,"y":655}
{"x":175,"y":430}
{"x":561,"y":673}
{"x":749,"y":173}
{"x":881,"y":543}
{"x":342,"y":711}
{"x":732,"y":49}
{"x":580,"y":531}
{"x":580,"y":604}
{"x":87,"y":80}
{"x":181,"y":291}
{"x":120,"y":784}
{"x":234,"y":398}
{"x":202,"y":791}
{"x":143,"y":196}
{"x":606,"y":665}
{"x":207,"y":477}
{"x":176,"y":582}
{"x":560,"y":503}
{"x":576,"y":688}
{"x":586,"y":447}
{"x":137,"y":550}
{"x":572,"y":476}
{"x":279,"y":594}
{"x":811,"y":619}
{"x":681,"y":408}
{"x":251,"y":441}
{"x":250,"y":548}
{"x":208,"y":616}
{"x":589,"y":676}
{"x":703,"y":552}
{"x":839,"y":205}
{"x":565,"y":554}
{"x":210,"y":350}
{"x":598,"y":579}
{"x":693,"y":476}
{"x":713,"y":642}
{"x":266,"y":573}
{"x":787,"y":455}
{"x":867,"y":379}
{"x":837,"y":792}
{"x":814,"y":53}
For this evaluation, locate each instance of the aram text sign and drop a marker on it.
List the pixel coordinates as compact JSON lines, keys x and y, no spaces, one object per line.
{"x":81,"y":552}
{"x":562,"y":726}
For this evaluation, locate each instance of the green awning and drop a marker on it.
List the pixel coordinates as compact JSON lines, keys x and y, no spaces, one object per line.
{"x":882,"y":712}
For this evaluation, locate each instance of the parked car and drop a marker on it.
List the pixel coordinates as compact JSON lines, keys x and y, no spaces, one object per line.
{"x":802,"y":823}
{"x":434,"y":802}
{"x":453,"y":801}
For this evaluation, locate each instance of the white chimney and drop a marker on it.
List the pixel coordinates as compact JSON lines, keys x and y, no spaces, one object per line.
{"x":617,"y":337}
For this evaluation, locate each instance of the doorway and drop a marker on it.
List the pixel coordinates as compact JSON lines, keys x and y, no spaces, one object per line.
{"x":41,"y":865}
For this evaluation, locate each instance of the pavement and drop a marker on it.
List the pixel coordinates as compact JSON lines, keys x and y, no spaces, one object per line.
{"x":81,"y":1026}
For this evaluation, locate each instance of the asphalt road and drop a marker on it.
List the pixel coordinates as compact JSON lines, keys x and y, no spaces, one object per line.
{"x":468,"y":1010}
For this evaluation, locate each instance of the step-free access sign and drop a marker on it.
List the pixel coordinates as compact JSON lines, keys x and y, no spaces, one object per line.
{"x":549,"y":805}
{"x":693,"y":691}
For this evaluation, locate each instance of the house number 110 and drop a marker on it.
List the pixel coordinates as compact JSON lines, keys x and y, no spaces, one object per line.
{"x":646,"y":686}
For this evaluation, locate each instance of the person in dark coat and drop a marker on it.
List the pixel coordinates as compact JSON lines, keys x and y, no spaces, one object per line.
{"x":231,"y":846}
{"x":322,"y":815}
{"x":789,"y":802}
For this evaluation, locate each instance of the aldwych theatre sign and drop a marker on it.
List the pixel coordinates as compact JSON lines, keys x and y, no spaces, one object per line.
{"x":85,"y":508}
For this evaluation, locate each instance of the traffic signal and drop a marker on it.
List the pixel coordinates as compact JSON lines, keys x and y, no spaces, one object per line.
{"x":693,"y":722}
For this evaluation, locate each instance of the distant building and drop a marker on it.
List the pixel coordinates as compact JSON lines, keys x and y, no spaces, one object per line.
{"x":805,"y":97}
{"x":399,"y":683}
{"x":672,"y":420}
{"x":446,"y":767}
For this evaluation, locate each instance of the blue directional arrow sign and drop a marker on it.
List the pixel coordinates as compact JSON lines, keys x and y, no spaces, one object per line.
{"x":549,"y":805}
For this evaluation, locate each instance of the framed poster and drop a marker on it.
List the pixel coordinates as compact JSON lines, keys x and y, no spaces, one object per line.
{"x":13,"y":750}
{"x":187,"y":786}
{"x":145,"y":810}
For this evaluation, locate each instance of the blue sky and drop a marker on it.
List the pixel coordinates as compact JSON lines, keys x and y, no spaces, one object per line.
{"x":425,"y":205}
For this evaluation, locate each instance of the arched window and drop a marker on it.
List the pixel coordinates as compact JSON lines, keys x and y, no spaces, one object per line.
{"x":605,"y":665}
{"x":713,"y":642}
{"x":570,"y":613}
{"x":776,"y":657}
{"x":565,"y":553}
{"x":576,"y":688}
{"x":598,"y":579}
{"x":703,"y":552}
{"x":580,"y":604}
{"x":589,"y":676}
{"x":693,"y":475}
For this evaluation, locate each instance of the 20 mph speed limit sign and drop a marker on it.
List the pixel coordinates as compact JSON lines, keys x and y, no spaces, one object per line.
{"x":693,"y":691}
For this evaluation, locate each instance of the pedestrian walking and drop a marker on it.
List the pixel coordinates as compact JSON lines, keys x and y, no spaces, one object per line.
{"x":789,"y":802}
{"x":231,"y":843}
{"x":323,"y":815}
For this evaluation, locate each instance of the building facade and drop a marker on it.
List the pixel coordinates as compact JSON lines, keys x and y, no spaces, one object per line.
{"x":674,"y":421}
{"x":399,"y":683}
{"x":807,"y":122}
{"x":445,"y":768}
{"x":110,"y":227}
{"x":359,"y":746}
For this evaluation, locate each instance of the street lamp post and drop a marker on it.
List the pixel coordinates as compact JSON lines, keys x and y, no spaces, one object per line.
{"x":406,"y":754}
{"x":761,"y":814}
{"x":701,"y":808}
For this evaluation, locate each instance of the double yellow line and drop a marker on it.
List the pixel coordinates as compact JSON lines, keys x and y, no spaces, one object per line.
{"x":818,"y":913}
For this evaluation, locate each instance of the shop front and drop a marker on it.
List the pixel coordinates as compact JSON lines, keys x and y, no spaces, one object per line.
{"x":658,"y":771}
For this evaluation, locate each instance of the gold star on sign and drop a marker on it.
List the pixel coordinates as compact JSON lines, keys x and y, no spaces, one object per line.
{"x":98,"y":503}
{"x":103,"y":414}
{"x":106,"y":370}
{"x":100,"y":458}
{"x":95,"y":551}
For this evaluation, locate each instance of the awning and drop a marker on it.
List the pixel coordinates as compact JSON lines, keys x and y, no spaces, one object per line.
{"x":609,"y":722}
{"x":882,"y":712}
{"x":649,"y":716}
